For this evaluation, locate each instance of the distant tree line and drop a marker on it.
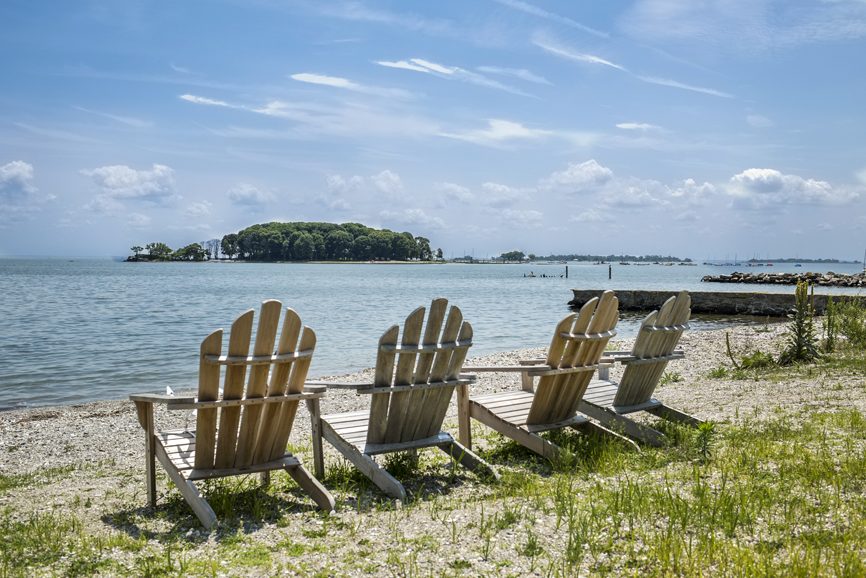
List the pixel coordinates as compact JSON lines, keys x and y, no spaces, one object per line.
{"x":324,"y":242}
{"x":636,"y":258}
{"x":162,"y":252}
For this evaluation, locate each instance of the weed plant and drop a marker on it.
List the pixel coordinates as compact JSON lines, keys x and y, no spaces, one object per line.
{"x":852,"y":322}
{"x":801,"y":340}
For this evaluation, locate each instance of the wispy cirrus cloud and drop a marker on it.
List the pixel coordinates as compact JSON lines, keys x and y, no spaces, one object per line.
{"x":536,"y":11}
{"x":636,"y":126}
{"x":553,"y":48}
{"x":203,"y":100}
{"x":520,"y":73}
{"x":358,"y":12}
{"x":452,"y":73}
{"x":499,"y":131}
{"x":346,"y":84}
{"x":131,"y":121}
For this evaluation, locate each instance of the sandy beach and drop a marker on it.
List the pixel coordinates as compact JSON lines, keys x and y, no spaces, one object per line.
{"x":87,"y":461}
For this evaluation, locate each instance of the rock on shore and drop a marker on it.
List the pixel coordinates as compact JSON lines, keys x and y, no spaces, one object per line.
{"x":829,"y":279}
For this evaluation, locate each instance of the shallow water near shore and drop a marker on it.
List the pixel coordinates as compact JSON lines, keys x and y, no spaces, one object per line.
{"x":90,"y":329}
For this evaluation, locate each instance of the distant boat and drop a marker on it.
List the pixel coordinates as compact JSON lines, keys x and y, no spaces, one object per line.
{"x":563,"y":262}
{"x":798,"y":265}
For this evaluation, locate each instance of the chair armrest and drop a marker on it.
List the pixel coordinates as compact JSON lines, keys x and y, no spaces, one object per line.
{"x":161,"y":398}
{"x":507,"y":368}
{"x":310,"y":388}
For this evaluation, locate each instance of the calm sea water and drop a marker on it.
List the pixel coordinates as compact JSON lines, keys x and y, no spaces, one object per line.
{"x":91,"y":329}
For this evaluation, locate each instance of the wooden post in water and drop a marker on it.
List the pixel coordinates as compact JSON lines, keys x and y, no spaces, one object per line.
{"x":566,"y":271}
{"x":609,"y":270}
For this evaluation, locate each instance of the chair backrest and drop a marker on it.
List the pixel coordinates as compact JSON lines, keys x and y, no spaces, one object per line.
{"x":256,"y":433}
{"x":659,"y":334}
{"x":578,"y":342}
{"x":424,"y":375}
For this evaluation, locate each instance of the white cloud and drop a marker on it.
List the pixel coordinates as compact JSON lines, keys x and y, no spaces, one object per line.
{"x":636,"y":126}
{"x":201,"y":209}
{"x":824,"y":227}
{"x":499,"y":131}
{"x":497,"y":195}
{"x":136,"y":122}
{"x":521,"y":219}
{"x":388,"y":183}
{"x":19,"y":198}
{"x":202,"y":100}
{"x":862,"y":176}
{"x":546,"y":44}
{"x":579,"y":178}
{"x":137,"y":221}
{"x":589,"y":216}
{"x":413,"y":217}
{"x":155,"y":186}
{"x":536,"y":11}
{"x":631,"y":198}
{"x":349,"y":85}
{"x":691,"y":193}
{"x":451,"y":72}
{"x":687,"y":216}
{"x":759,"y":121}
{"x":338,"y":184}
{"x":520,"y":73}
{"x":104,"y":205}
{"x":339,"y":205}
{"x":453,"y":192}
{"x":361,"y":13}
{"x":768,"y":189}
{"x":249,"y":196}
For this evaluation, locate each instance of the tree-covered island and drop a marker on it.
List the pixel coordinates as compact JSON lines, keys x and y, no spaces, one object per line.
{"x":271,"y":242}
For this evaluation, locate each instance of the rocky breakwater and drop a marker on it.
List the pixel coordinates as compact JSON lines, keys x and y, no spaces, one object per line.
{"x":829,"y":279}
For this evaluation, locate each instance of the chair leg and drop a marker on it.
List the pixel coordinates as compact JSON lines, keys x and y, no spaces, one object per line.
{"x":604,"y":432}
{"x":671,"y":414}
{"x":145,"y":418}
{"x":316,"y":422}
{"x":313,"y":488}
{"x":464,"y":423}
{"x":620,"y":423}
{"x":190,"y":493}
{"x":469,"y":460}
{"x":265,"y":479}
{"x":386,"y":482}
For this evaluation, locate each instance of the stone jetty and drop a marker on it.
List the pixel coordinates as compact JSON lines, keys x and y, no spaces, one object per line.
{"x":721,"y":302}
{"x":829,"y":279}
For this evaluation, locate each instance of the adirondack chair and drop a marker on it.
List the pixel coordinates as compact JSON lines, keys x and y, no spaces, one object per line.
{"x":254,"y":425}
{"x":575,"y":353}
{"x":645,"y":364}
{"x":407,"y":403}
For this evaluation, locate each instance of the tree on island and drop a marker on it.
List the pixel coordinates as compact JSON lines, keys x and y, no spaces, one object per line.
{"x":512,"y":256}
{"x":137,"y":249}
{"x":425,"y":253}
{"x":229,"y":245}
{"x":158,"y":251}
{"x":194,"y":252}
{"x":439,"y":255}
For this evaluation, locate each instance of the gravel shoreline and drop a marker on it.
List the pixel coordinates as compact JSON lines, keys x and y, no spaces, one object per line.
{"x":101,"y":446}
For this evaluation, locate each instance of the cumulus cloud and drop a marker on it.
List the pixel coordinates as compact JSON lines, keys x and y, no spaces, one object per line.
{"x":521,"y":218}
{"x":155,"y":186}
{"x":768,"y":189}
{"x":759,"y":121}
{"x":691,"y":193}
{"x":388,"y":183}
{"x":336,"y":183}
{"x":138,"y":221}
{"x":104,"y":205}
{"x":453,"y":192}
{"x":201,"y":209}
{"x":249,"y":196}
{"x":590,"y":216}
{"x":632,"y":198}
{"x":413,"y":217}
{"x":579,"y":178}
{"x":497,"y":195}
{"x":498,"y":132}
{"x":19,"y":198}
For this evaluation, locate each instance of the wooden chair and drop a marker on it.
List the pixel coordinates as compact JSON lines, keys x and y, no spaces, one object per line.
{"x":253,"y":428}
{"x":575,"y":353}
{"x":412,"y":388}
{"x":654,"y":347}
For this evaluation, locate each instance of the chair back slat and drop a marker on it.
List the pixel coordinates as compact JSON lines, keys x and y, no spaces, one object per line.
{"x":289,"y":409}
{"x":399,"y":403}
{"x":233,"y":388}
{"x":640,"y":380}
{"x":408,"y":415}
{"x":208,"y":390}
{"x":418,"y":399}
{"x":382,"y":378}
{"x":277,"y":386}
{"x":558,"y":396}
{"x":257,"y":386}
{"x":439,"y":407}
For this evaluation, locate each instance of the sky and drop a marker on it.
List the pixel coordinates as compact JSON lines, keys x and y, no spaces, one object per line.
{"x":697,"y":128}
